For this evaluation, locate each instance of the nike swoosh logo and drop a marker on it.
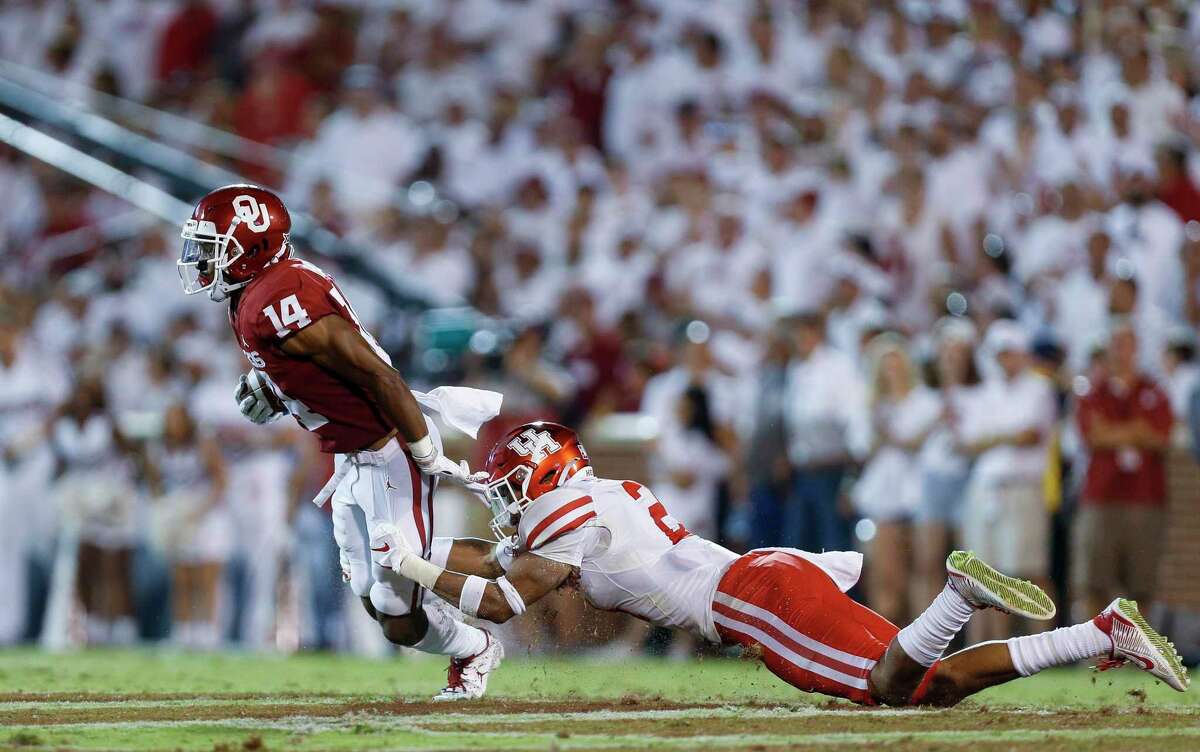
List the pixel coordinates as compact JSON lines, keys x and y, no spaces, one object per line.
{"x":382,"y":550}
{"x":1146,"y":663}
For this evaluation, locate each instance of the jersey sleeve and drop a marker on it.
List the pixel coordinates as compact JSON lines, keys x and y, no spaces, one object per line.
{"x":552,"y":526}
{"x":299,"y":298}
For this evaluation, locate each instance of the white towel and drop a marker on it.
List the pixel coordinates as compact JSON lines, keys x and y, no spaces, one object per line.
{"x":461,"y":407}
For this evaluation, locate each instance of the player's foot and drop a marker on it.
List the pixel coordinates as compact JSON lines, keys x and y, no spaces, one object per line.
{"x":984,"y":587}
{"x":468,"y":677}
{"x":1134,"y":640}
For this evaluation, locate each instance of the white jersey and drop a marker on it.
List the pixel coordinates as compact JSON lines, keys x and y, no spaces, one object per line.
{"x":631,"y":554}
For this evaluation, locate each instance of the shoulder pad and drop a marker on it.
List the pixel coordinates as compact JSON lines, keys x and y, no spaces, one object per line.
{"x":554,"y":514}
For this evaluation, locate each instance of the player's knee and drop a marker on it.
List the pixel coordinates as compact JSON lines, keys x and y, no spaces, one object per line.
{"x":404,"y":630}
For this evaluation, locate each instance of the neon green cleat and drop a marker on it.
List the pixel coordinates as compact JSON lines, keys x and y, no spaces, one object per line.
{"x":1136,"y":641}
{"x":984,"y":587}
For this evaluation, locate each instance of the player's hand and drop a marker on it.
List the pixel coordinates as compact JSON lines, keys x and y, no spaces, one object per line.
{"x":390,"y":548}
{"x":431,"y":461}
{"x":255,"y":399}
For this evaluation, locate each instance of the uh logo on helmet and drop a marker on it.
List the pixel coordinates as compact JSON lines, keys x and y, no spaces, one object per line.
{"x":233,"y":234}
{"x":527,"y":462}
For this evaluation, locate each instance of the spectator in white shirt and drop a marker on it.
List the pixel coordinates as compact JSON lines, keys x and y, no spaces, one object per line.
{"x":1181,"y":373}
{"x":691,"y":463}
{"x":1081,"y":301}
{"x":943,"y":469}
{"x":902,"y":413}
{"x":1008,"y":428}
{"x":825,"y":414}
{"x":366,"y":149}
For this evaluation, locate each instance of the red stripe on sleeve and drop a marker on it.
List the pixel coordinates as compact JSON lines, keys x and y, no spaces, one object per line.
{"x":555,"y":516}
{"x":568,"y":527}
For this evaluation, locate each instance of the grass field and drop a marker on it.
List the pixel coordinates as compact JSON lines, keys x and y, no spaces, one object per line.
{"x":161,"y":700}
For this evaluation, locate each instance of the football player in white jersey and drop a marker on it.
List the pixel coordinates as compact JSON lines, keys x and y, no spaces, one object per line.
{"x":617,"y":543}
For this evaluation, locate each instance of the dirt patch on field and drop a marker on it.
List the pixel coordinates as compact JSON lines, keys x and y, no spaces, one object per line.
{"x":10,"y":697}
{"x":834,"y":723}
{"x":125,"y":709}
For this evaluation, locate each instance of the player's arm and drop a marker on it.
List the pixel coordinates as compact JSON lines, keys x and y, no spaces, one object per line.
{"x":337,"y":346}
{"x":528,"y":579}
{"x":474,"y":556}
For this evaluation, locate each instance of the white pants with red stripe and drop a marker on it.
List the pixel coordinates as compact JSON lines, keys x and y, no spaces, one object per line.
{"x":383,"y":487}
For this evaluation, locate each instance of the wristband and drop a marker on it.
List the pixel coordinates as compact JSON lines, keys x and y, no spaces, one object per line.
{"x":515,"y":601}
{"x":422,"y":448}
{"x":419,"y":571}
{"x":472,"y":595}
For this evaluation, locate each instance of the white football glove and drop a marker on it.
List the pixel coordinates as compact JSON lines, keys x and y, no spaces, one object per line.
{"x":390,"y":546}
{"x":429,"y":458}
{"x":251,"y":395}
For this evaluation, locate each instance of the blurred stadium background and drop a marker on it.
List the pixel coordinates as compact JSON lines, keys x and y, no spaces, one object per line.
{"x":825,"y":274}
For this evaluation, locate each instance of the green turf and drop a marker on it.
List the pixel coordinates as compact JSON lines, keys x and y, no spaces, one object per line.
{"x":1135,"y":711}
{"x":144,"y":671}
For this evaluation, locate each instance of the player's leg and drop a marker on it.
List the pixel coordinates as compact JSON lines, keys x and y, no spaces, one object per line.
{"x":181,"y":611}
{"x":1118,"y":634}
{"x":400,"y":496}
{"x":971,"y":585}
{"x":124,"y":623}
{"x":204,"y":606}
{"x":888,"y":574}
{"x":1094,"y":568}
{"x":806,"y":630}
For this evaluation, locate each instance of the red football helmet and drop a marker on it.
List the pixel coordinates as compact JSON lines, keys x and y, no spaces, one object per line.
{"x":234,"y":233}
{"x":529,"y":461}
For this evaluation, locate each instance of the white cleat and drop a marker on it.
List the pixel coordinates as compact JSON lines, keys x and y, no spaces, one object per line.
{"x":1135,"y":641}
{"x":468,"y":677}
{"x":984,"y":587}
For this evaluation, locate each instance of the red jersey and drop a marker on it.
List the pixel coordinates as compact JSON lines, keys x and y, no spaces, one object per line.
{"x":1125,"y":475}
{"x":279,"y":302}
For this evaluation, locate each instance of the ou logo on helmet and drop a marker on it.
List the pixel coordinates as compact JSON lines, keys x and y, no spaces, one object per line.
{"x":537,"y":445}
{"x":252,"y":213}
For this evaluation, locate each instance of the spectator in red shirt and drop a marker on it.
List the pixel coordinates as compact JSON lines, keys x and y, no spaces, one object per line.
{"x":271,"y":109}
{"x":1175,"y":186}
{"x":187,"y":40}
{"x":1125,"y":421}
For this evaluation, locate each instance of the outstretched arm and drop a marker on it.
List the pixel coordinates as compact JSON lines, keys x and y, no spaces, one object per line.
{"x":496,"y":596}
{"x":473,"y":556}
{"x":531,"y":577}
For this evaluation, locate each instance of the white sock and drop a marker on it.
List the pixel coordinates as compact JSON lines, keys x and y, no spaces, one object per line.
{"x":926,"y":638}
{"x":98,"y":631}
{"x":446,"y":636}
{"x":205,"y":635}
{"x":124,"y":631}
{"x":1058,"y":647}
{"x":181,"y":633}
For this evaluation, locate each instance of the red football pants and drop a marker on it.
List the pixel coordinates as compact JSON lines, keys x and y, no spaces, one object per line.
{"x":813,"y":636}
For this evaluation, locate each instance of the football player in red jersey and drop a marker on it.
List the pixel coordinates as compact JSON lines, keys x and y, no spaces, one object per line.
{"x":312,"y":359}
{"x":625,"y":552}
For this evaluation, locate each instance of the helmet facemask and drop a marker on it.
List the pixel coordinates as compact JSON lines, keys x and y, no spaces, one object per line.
{"x":205,"y":257}
{"x":507,"y":497}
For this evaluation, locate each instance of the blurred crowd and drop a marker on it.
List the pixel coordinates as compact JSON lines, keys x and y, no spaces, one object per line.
{"x":892,"y":275}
